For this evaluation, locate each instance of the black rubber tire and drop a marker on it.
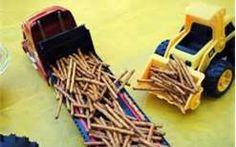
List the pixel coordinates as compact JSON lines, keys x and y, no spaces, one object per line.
{"x":230,"y":51}
{"x":213,"y":73}
{"x":14,"y":141}
{"x":161,"y":48}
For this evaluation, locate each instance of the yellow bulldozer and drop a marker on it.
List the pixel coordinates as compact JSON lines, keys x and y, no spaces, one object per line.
{"x":206,"y":45}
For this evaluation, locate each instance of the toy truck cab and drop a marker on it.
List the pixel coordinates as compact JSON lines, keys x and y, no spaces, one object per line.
{"x":41,"y":26}
{"x":203,"y":33}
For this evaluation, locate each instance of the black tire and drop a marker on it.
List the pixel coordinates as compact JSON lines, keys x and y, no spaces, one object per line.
{"x":161,"y":48}
{"x":213,"y":74}
{"x":14,"y":141}
{"x":230,"y":51}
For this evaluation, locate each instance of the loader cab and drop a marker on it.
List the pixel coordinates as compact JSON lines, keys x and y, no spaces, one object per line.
{"x":203,"y":31}
{"x":198,"y":36}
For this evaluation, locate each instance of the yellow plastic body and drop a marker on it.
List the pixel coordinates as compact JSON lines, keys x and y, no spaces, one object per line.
{"x":200,"y":13}
{"x":225,"y":80}
{"x":211,"y":16}
{"x":160,"y":62}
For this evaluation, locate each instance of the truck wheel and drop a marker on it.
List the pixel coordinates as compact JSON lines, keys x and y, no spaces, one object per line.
{"x":230,"y":50}
{"x":161,"y":48}
{"x":14,"y":141}
{"x":219,"y":77}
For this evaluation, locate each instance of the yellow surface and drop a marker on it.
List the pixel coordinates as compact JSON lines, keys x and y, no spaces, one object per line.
{"x":125,"y":33}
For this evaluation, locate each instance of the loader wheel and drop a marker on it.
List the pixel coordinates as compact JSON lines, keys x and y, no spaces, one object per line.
{"x":219,"y":77}
{"x":230,"y":49}
{"x":161,"y":48}
{"x":14,"y":141}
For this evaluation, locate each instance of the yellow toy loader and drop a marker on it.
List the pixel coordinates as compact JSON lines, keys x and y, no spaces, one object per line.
{"x":206,"y":45}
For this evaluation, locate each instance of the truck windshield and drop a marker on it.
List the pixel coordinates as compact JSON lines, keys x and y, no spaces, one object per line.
{"x":198,"y":36}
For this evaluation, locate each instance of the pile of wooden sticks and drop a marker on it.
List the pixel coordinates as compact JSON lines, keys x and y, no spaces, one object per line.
{"x":90,"y":92}
{"x":175,"y":81}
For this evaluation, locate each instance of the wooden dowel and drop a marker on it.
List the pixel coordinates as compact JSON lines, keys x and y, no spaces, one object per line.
{"x":90,"y":81}
{"x":59,"y":107}
{"x":109,"y":88}
{"x":131,"y":124}
{"x":127,"y":138}
{"x":123,"y":131}
{"x":108,"y":115}
{"x":121,"y":76}
{"x":64,"y":93}
{"x":127,"y":78}
{"x":148,"y":89}
{"x":93,"y":143}
{"x":145,"y":142}
{"x":72,"y":77}
{"x":107,"y":132}
{"x":116,"y":116}
{"x":80,"y":115}
{"x":150,"y":133}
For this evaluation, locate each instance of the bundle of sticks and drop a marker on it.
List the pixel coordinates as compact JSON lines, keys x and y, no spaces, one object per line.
{"x":91,"y":92}
{"x":175,"y":81}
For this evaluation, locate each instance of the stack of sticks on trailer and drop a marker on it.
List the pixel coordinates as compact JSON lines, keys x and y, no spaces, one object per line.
{"x":175,"y":81}
{"x":90,"y":92}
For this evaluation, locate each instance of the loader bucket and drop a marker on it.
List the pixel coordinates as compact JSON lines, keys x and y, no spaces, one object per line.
{"x":158,"y":61}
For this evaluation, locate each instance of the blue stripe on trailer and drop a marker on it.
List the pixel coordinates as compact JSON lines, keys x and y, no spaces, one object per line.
{"x":82,"y":129}
{"x":125,"y":108}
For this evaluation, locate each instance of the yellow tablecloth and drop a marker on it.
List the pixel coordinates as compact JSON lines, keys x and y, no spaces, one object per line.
{"x":125,"y":33}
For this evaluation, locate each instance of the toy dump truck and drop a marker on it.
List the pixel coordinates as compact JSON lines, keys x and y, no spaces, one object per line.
{"x":206,"y":45}
{"x":52,"y":34}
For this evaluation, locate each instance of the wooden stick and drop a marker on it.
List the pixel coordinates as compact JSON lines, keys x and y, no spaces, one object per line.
{"x":167,"y":72}
{"x":69,"y":75}
{"x":73,"y":77}
{"x":106,"y":142}
{"x":80,"y":115}
{"x":145,"y":80}
{"x":109,"y":88}
{"x":93,"y":143}
{"x":63,"y":66}
{"x":64,"y":93}
{"x":116,"y":116}
{"x":131,"y":124}
{"x":57,"y":73}
{"x":121,"y":76}
{"x":150,"y":133}
{"x":90,"y":81}
{"x":59,"y":107}
{"x":127,"y":138}
{"x":113,"y":86}
{"x":60,"y":70}
{"x":145,"y":124}
{"x":88,"y":120}
{"x":117,"y":141}
{"x":147,"y":143}
{"x":107,"y":132}
{"x":123,"y":131}
{"x":148,"y":89}
{"x":72,"y":110}
{"x":126,"y":80}
{"x":108,"y":115}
